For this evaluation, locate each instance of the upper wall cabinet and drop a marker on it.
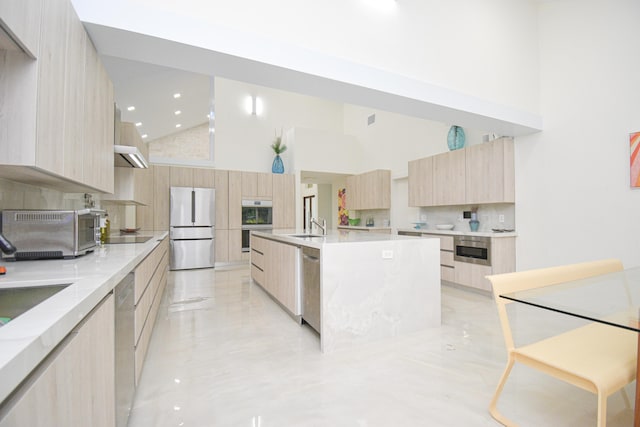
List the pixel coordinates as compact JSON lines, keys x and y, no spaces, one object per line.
{"x":20,"y":25}
{"x":490,"y":172}
{"x":57,"y":110}
{"x":370,"y":190}
{"x":257,"y":185}
{"x":284,"y":196}
{"x":481,"y":173}
{"x":421,"y":182}
{"x":449,"y":178}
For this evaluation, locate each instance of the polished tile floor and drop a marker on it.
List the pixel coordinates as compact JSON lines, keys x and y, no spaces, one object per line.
{"x":224,"y":354}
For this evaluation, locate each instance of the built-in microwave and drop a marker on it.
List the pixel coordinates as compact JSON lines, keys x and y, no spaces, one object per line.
{"x":42,"y":234}
{"x":472,"y":249}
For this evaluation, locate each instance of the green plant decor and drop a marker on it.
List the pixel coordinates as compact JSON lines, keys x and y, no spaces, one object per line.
{"x":278,"y":147}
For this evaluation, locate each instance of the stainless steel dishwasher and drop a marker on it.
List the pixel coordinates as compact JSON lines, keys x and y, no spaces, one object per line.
{"x":124,"y":350}
{"x":311,"y":287}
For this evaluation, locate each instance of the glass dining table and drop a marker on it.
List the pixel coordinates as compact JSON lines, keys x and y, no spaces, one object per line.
{"x":612,"y":299}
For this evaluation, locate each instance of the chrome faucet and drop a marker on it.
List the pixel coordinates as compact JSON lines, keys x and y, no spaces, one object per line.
{"x":322,"y":226}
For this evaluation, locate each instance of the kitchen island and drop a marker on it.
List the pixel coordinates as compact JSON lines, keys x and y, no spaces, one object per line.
{"x":372,"y":286}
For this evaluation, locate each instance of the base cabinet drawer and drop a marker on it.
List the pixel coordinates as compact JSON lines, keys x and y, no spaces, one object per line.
{"x":446,"y":258}
{"x":150,"y":282}
{"x":447,"y":273}
{"x":257,"y":274}
{"x":472,"y":275}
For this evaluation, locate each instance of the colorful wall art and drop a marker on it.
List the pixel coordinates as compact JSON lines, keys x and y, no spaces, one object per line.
{"x":343,"y":214}
{"x":634,"y":140}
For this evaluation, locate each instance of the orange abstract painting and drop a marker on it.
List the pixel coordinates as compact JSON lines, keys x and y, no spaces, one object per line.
{"x":634,"y":140}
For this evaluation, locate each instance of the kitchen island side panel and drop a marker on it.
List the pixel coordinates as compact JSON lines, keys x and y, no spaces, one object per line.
{"x":378,"y":289}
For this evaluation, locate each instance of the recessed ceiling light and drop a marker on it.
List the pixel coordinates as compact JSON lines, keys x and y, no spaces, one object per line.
{"x":144,"y":135}
{"x":178,"y":125}
{"x":177,"y":112}
{"x":177,"y":95}
{"x":138,"y":124}
{"x":131,"y":108}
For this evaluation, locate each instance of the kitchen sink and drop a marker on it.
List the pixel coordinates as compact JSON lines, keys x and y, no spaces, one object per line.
{"x":306,"y":236}
{"x":15,"y":301}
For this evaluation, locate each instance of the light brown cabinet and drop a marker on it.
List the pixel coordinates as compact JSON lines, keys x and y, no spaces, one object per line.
{"x":161,"y":186}
{"x":280,"y":188}
{"x":204,"y":178}
{"x":275,"y":266}
{"x":181,"y":176}
{"x":481,"y":173}
{"x":447,"y":265}
{"x":49,"y":116}
{"x":265,"y":185}
{"x":421,"y":182}
{"x":490,"y":173}
{"x":503,"y":260}
{"x":235,"y":201}
{"x":222,"y":245}
{"x":256,"y":185}
{"x":150,"y":280}
{"x":222,"y":200}
{"x":98,"y":168}
{"x":284,"y":209}
{"x":449,"y":178}
{"x":370,"y":190}
{"x":74,"y":386}
{"x":20,"y":25}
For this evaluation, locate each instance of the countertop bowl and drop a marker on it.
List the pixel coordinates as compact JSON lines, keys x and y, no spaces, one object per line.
{"x":354,"y":221}
{"x":445,"y":226}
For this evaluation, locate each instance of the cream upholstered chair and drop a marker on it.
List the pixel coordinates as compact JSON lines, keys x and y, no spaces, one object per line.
{"x":596,"y":357}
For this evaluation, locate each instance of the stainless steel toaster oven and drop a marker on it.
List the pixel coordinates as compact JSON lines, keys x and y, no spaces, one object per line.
{"x":43,"y":234}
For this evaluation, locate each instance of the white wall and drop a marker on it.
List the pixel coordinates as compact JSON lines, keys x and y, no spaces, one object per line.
{"x":573,"y":201}
{"x":483,"y":48}
{"x":243,"y":141}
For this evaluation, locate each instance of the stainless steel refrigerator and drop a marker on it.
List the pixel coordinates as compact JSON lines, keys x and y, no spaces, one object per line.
{"x":192,"y":228}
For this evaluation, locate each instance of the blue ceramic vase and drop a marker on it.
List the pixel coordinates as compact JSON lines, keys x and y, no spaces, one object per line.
{"x":455,"y":138}
{"x":278,"y":166}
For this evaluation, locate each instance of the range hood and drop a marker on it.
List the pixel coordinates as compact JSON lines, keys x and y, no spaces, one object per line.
{"x":129,"y":157}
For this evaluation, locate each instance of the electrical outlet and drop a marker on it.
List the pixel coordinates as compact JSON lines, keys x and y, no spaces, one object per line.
{"x":460,"y":218}
{"x":500,"y":218}
{"x":387,"y":254}
{"x":423,"y":217}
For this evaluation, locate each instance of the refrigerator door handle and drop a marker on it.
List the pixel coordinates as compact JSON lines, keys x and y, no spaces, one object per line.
{"x":193,"y":206}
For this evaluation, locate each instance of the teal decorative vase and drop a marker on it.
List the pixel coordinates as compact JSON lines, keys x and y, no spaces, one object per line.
{"x":455,"y":138}
{"x":278,"y":166}
{"x":474,"y":223}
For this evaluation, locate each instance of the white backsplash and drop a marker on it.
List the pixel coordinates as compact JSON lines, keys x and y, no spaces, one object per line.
{"x":379,"y":216}
{"x":15,"y":195}
{"x":488,"y":215}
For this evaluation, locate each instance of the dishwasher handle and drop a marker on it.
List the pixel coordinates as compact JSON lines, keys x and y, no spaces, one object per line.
{"x":311,"y":258}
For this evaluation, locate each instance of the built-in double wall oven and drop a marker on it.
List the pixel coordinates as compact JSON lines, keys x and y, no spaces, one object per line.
{"x":472,"y":249}
{"x":256,"y":215}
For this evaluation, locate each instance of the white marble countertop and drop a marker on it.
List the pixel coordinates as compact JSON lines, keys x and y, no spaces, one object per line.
{"x":459,"y":233}
{"x":26,"y":340}
{"x":301,"y":238}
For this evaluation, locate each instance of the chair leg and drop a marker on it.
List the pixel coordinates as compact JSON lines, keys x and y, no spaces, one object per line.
{"x":602,"y":409}
{"x":493,"y":409}
{"x":625,"y":396}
